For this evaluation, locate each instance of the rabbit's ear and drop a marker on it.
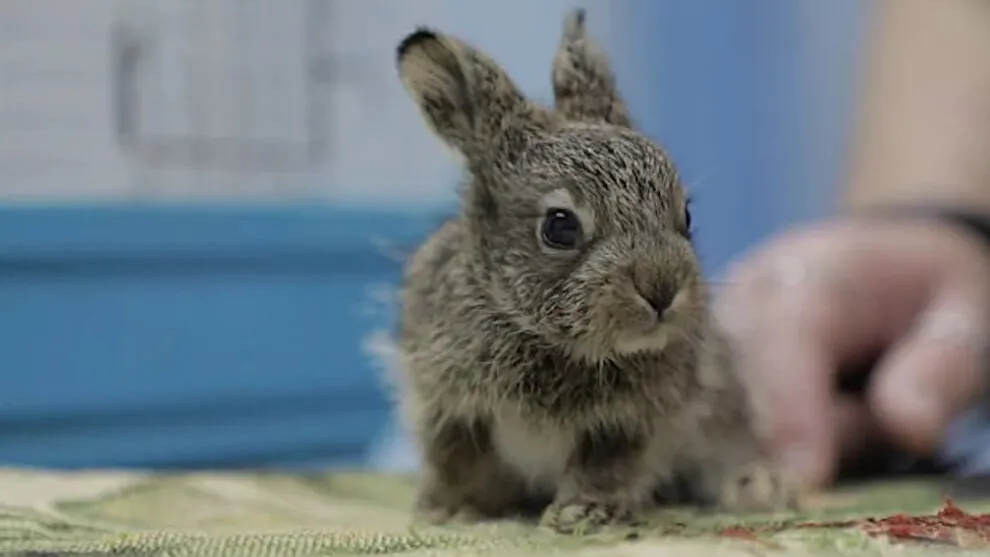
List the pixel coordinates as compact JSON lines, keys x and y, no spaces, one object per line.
{"x":583,"y":83}
{"x":465,"y":97}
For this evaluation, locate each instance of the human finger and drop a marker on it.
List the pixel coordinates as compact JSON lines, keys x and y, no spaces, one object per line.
{"x":929,"y":378}
{"x":792,"y":330}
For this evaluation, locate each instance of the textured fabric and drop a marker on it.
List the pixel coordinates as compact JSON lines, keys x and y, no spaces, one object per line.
{"x":286,"y":515}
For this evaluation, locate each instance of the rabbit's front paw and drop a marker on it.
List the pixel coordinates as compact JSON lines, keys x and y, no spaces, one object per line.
{"x":757,"y":487}
{"x":587,"y":515}
{"x":439,"y":514}
{"x":493,"y":497}
{"x":434,"y":510}
{"x":437,"y":506}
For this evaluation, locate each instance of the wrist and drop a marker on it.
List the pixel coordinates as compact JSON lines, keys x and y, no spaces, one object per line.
{"x":869,"y":191}
{"x":973,"y":223}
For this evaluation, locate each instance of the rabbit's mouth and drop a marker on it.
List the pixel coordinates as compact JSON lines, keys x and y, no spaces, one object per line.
{"x":654,"y":341}
{"x":624,"y":321}
{"x":654,"y":326}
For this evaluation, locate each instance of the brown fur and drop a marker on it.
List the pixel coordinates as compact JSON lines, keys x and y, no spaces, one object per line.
{"x":515,"y":383}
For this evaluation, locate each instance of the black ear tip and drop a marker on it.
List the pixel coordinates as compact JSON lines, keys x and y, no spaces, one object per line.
{"x":574,"y":24}
{"x":579,"y":16}
{"x":412,"y":39}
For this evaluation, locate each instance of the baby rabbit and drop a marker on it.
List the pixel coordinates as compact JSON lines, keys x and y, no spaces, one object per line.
{"x":555,"y":338}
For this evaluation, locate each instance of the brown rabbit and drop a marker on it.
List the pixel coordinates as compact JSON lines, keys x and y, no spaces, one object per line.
{"x":556,"y":342}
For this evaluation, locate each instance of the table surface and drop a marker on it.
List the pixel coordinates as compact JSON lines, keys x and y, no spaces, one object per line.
{"x":258,"y":514}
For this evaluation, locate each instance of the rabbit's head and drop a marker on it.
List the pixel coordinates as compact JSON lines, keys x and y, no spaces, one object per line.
{"x":578,"y":226}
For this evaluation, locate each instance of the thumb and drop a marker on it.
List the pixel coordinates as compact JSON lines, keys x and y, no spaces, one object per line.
{"x":933,"y":374}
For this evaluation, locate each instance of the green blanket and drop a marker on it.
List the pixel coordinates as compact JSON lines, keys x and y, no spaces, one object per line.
{"x":289,"y":515}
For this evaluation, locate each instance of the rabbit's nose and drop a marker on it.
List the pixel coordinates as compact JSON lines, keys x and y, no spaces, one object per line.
{"x":661,"y":299}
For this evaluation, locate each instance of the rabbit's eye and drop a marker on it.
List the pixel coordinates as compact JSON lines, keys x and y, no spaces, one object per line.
{"x":686,"y":231}
{"x":561,"y":229}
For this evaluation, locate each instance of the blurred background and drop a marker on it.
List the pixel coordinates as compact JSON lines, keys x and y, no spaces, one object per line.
{"x":202,"y":202}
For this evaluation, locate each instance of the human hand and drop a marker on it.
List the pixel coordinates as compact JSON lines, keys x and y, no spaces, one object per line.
{"x":817,"y":302}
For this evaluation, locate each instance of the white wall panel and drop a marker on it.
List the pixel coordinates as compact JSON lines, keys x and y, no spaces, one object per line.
{"x":222,"y":89}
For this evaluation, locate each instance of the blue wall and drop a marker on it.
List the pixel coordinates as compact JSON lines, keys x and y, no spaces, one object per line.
{"x":718,"y":82}
{"x":187,"y":337}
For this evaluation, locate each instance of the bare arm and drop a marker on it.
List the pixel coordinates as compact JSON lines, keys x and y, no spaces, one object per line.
{"x":924,"y":117}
